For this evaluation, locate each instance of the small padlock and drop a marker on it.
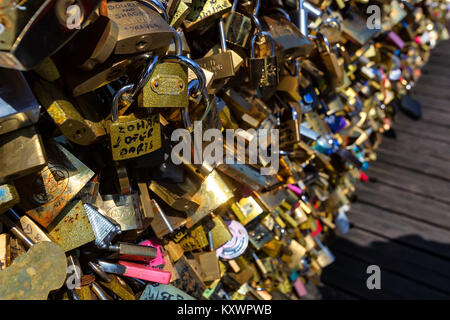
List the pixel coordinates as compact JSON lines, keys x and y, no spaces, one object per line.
{"x":332,"y":64}
{"x":167,"y":84}
{"x":221,"y":64}
{"x":237,"y":27}
{"x":263,"y":70}
{"x":131,"y":136}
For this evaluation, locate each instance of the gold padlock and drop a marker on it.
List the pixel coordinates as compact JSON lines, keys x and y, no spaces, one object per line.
{"x":131,"y":136}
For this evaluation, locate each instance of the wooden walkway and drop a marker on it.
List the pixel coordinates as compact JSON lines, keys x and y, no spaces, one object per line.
{"x":401,"y":219}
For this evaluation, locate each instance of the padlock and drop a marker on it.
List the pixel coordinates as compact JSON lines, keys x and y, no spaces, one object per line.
{"x":45,"y":193}
{"x":22,"y":45}
{"x":105,"y":229}
{"x":18,"y":106}
{"x":290,"y":43}
{"x":237,"y":27}
{"x":141,"y":29}
{"x":114,"y":68}
{"x":131,"y":136}
{"x":263,"y":70}
{"x":354,"y":27}
{"x":15,"y":150}
{"x":290,"y":128}
{"x":157,"y":291}
{"x":203,"y":12}
{"x":66,"y":116}
{"x":92,"y":45}
{"x":221,"y":64}
{"x":331,"y":62}
{"x":46,"y":256}
{"x":124,"y":209}
{"x":167,"y":84}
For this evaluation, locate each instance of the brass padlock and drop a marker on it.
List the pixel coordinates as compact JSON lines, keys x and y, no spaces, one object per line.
{"x":263,"y":70}
{"x":141,"y":29}
{"x":66,"y":116}
{"x":167,"y":84}
{"x":131,"y":136}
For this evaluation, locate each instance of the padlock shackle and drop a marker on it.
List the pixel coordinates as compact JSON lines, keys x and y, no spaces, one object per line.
{"x":177,"y":40}
{"x":115,"y":104}
{"x":223,"y":43}
{"x":262,"y":34}
{"x":144,"y":77}
{"x":325,"y":40}
{"x":156,"y":6}
{"x":330,"y":22}
{"x":256,"y":23}
{"x":283,"y":12}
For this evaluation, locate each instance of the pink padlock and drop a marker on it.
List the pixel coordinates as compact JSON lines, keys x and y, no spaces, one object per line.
{"x":159,"y":259}
{"x":135,"y":270}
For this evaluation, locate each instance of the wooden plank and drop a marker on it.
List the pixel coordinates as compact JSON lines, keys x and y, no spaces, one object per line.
{"x":399,"y":201}
{"x":423,"y":163}
{"x":351,"y":273}
{"x":430,"y":102}
{"x":441,"y":80}
{"x":414,"y":146}
{"x":411,"y":181}
{"x":412,"y":264}
{"x":421,"y":129}
{"x":401,"y":229}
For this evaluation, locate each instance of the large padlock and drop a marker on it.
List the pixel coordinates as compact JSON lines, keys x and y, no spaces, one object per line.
{"x":141,"y":29}
{"x":263,"y":70}
{"x":133,"y":136}
{"x":204,"y":12}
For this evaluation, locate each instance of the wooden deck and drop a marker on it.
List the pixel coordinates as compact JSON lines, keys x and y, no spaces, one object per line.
{"x":401,"y":219}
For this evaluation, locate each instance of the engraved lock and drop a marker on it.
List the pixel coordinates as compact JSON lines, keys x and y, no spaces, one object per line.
{"x":124,"y":209}
{"x":18,"y":106}
{"x":141,"y":29}
{"x":331,"y":62}
{"x":15,"y":150}
{"x":221,"y":64}
{"x":167,"y":85}
{"x":263,"y":70}
{"x":237,"y":27}
{"x":21,"y":43}
{"x":130,"y":136}
{"x":46,"y":193}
